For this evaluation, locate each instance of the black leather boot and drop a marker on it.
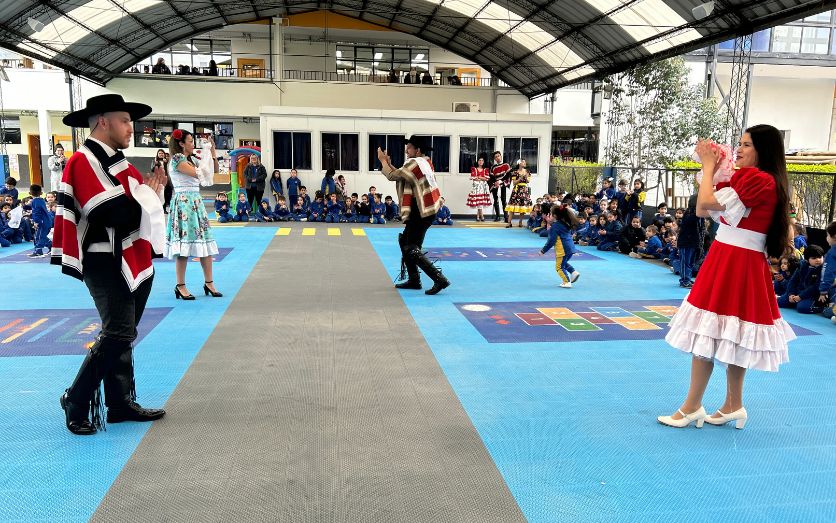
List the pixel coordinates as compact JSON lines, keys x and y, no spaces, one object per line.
{"x":120,"y":390}
{"x":429,"y":268}
{"x":82,"y":401}
{"x":409,"y":271}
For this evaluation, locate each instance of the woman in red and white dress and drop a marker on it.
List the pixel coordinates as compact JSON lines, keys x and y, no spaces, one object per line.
{"x":480,"y":195}
{"x":731,"y":315}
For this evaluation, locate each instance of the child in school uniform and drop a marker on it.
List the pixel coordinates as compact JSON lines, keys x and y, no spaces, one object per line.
{"x":242,"y":209}
{"x":802,"y":292}
{"x":299,"y":211}
{"x":10,"y":189}
{"x":534,"y":218}
{"x":364,"y":210}
{"x":349,"y":210}
{"x":631,"y":236}
{"x":563,"y":223}
{"x":42,"y":221}
{"x":317,"y":209}
{"x":443,"y":216}
{"x":6,"y":232}
{"x":333,"y":209}
{"x":786,"y":269}
{"x":378,"y":211}
{"x":827,"y":287}
{"x":393,"y":212}
{"x":264,"y":214}
{"x":635,"y":200}
{"x":282,"y":213}
{"x":652,"y":246}
{"x":800,"y":240}
{"x":661,"y":212}
{"x":294,"y":186}
{"x":222,"y":208}
{"x":276,"y":186}
{"x":608,"y":236}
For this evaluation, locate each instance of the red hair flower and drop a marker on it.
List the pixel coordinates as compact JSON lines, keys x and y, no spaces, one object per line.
{"x":177,"y":134}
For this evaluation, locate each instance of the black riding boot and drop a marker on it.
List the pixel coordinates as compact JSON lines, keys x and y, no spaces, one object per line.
{"x":120,"y":390}
{"x":409,"y":271}
{"x":82,"y":401}
{"x":420,"y":259}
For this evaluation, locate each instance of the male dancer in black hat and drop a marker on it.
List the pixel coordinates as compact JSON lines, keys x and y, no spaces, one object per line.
{"x":109,"y":223}
{"x":420,"y":200}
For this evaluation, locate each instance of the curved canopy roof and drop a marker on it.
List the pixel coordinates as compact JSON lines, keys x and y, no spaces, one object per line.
{"x":534,"y":46}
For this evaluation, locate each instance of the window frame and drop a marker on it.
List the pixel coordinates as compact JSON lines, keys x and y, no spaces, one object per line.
{"x":340,"y":151}
{"x":532,"y":166}
{"x":488,"y":156}
{"x":373,"y":161}
{"x":432,"y":138}
{"x":294,"y":162}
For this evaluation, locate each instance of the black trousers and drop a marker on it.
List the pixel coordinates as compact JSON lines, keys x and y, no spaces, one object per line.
{"x":110,"y":359}
{"x":254,"y":196}
{"x":498,"y":192}
{"x":414,"y":231}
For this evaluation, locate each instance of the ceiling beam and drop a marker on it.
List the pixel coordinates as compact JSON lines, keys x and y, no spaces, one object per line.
{"x":180,"y":14}
{"x":137,"y":20}
{"x":467,"y":23}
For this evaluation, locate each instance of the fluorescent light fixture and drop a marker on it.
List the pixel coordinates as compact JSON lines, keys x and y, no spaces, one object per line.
{"x":419,"y":56}
{"x":36,"y":25}
{"x":378,"y":56}
{"x":339,"y":54}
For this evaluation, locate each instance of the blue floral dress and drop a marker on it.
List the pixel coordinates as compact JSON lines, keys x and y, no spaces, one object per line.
{"x":188,"y":233}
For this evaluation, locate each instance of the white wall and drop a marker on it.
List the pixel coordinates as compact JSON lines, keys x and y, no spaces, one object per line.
{"x":454,"y":186}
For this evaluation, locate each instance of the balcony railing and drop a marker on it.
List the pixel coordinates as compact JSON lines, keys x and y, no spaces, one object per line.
{"x":204,"y":72}
{"x":330,"y":76}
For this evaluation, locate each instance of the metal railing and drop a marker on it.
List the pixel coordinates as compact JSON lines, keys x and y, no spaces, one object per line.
{"x":204,"y":72}
{"x":331,"y":76}
{"x":812,"y":194}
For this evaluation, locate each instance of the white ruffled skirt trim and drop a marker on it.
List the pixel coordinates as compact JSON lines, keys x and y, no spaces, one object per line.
{"x":729,"y":339}
{"x":198,"y":249}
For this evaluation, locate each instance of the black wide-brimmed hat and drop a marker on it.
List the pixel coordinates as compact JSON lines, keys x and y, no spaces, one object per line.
{"x":105,"y":103}
{"x":420,"y":142}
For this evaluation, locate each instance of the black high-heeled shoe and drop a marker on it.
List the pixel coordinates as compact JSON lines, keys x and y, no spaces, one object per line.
{"x":179,"y":295}
{"x":207,"y":291}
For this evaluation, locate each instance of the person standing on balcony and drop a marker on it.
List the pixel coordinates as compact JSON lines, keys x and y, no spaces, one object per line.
{"x":411,"y":77}
{"x":213,"y":68}
{"x":256,"y":176}
{"x":160,"y":67}
{"x":426,"y":79}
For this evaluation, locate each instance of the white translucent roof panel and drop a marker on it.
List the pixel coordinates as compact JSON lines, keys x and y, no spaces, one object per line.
{"x":559,"y":55}
{"x":29,"y":47}
{"x":577,"y":73}
{"x":63,"y":31}
{"x":645,"y":19}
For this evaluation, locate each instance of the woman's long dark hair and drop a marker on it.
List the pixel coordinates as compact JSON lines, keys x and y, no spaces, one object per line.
{"x":769,"y":145}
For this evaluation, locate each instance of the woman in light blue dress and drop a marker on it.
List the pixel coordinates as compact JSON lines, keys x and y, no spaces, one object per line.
{"x":188,"y":234}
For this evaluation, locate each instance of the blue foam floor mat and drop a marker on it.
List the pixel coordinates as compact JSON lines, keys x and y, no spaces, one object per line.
{"x":47,"y":474}
{"x":572,"y":425}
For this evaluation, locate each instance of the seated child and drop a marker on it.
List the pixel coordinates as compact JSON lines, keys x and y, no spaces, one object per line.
{"x":393,"y":213}
{"x":5,"y":231}
{"x":378,"y":210}
{"x":534,"y":217}
{"x":548,"y":219}
{"x":781,"y":278}
{"x":333,"y":209}
{"x":802,"y":292}
{"x":242,"y":209}
{"x":317,"y":209}
{"x":264,"y":214}
{"x":300,"y":210}
{"x":10,"y":189}
{"x":545,"y":210}
{"x":652,"y":247}
{"x":671,"y":252}
{"x":631,"y":236}
{"x":349,"y":210}
{"x":608,"y":236}
{"x":583,"y":227}
{"x":364,"y":210}
{"x":443,"y":215}
{"x":303,"y":192}
{"x":282,"y":213}
{"x":661,"y":212}
{"x":222,"y":208}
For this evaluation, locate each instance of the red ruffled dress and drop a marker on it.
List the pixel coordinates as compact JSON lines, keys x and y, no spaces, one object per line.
{"x":731,"y":314}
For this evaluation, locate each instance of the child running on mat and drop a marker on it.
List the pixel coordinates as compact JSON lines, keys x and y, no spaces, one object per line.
{"x":563,"y":225}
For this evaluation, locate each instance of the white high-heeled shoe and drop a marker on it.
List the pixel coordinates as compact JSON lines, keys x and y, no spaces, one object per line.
{"x":739,"y":416}
{"x":697,"y":418}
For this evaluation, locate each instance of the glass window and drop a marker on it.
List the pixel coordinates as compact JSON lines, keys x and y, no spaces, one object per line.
{"x":340,"y":152}
{"x":833,"y":43}
{"x":786,"y":39}
{"x":815,"y":40}
{"x":152,"y":133}
{"x":728,"y":45}
{"x":291,"y":150}
{"x":516,"y":149}
{"x":420,"y":59}
{"x":392,"y":144}
{"x":440,"y":154}
{"x":471,"y":148}
{"x":760,"y":41}
{"x":11,"y":131}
